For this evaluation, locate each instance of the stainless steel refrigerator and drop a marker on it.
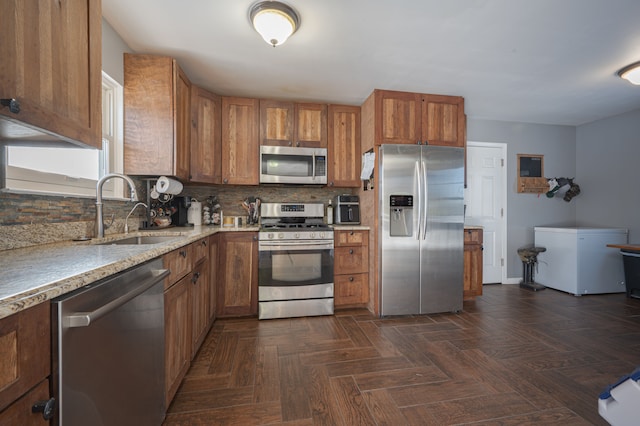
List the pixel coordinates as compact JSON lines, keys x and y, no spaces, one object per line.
{"x":421,"y":231}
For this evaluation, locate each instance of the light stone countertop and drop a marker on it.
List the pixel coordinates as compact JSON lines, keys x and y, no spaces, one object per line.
{"x":32,"y":275}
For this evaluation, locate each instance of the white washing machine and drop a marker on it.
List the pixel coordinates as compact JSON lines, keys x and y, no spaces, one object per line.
{"x":578,"y":260}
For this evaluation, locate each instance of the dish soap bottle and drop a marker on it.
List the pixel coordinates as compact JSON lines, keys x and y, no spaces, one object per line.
{"x":329,"y":214}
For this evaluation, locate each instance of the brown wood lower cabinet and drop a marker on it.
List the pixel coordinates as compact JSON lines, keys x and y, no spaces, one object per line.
{"x":351,"y":266}
{"x":25,"y":364}
{"x":237,"y":274}
{"x":186,"y":310}
{"x":177,"y":320}
{"x":472,"y":263}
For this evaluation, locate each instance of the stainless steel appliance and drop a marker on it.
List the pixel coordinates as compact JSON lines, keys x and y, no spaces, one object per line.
{"x":284,"y":164}
{"x":347,"y":210}
{"x":295,"y":267}
{"x":421,"y":231}
{"x":108,"y":366}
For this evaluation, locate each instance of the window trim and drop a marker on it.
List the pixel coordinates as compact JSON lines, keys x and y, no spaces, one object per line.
{"x":26,"y":181}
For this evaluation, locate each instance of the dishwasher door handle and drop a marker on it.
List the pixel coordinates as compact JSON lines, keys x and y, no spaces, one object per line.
{"x":84,"y":319}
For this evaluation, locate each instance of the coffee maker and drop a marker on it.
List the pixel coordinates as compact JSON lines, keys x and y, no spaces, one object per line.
{"x":181,"y":206}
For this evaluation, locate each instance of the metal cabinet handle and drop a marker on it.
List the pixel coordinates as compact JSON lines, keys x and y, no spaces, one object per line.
{"x":350,"y":278}
{"x":195,"y":277}
{"x":183,"y":253}
{"x":350,"y":251}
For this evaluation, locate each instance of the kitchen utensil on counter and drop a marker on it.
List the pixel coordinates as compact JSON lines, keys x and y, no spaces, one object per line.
{"x":252,"y":206}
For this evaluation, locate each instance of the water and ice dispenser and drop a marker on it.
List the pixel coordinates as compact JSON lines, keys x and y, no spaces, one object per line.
{"x":401,"y":215}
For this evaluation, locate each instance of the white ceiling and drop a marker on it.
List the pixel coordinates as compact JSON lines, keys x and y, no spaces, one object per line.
{"x":537,"y":61}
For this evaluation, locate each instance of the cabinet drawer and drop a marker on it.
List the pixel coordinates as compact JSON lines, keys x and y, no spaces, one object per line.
{"x":25,"y":352}
{"x":351,"y":289}
{"x":179,"y":262}
{"x":351,"y":260}
{"x":351,"y":238}
{"x":473,"y":236}
{"x":200,"y":250}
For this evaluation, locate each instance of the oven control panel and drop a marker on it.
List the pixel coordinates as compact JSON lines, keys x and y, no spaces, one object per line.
{"x":296,"y":235}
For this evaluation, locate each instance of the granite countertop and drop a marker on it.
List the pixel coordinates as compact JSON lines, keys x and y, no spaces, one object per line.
{"x":33,"y":275}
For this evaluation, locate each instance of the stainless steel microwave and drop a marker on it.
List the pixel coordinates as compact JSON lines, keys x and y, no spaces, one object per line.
{"x":296,"y":165}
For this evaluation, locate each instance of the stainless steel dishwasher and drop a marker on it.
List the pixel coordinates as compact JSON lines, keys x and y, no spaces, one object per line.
{"x":108,"y":355}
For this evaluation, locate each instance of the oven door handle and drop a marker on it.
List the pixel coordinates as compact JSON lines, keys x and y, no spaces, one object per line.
{"x":84,"y":319}
{"x":288,"y":245}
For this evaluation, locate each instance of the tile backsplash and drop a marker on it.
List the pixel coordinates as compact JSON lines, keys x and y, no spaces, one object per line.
{"x":28,"y":219}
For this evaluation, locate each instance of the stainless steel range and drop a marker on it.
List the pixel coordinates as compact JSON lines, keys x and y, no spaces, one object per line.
{"x":295,"y":261}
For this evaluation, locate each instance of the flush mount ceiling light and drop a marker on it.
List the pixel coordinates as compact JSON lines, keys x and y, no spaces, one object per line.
{"x":274,"y":21}
{"x":631,"y":73}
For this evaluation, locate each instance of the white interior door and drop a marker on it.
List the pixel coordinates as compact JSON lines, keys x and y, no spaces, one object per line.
{"x":485,"y":198}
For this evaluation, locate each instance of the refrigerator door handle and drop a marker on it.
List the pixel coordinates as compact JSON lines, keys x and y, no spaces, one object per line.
{"x":418,"y":171}
{"x":424,"y":197}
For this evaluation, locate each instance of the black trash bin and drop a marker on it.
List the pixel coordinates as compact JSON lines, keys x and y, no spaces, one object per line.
{"x":631,"y":262}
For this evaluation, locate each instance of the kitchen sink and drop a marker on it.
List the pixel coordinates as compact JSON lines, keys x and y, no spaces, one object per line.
{"x":140,"y":240}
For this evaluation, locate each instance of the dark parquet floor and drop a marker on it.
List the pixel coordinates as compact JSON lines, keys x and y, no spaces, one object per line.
{"x":512,"y":357}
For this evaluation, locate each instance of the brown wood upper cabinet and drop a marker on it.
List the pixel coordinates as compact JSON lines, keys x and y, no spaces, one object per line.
{"x":241,"y":153}
{"x":343,"y":151}
{"x":412,"y":118}
{"x":206,"y":136}
{"x":156,"y":117}
{"x":293,"y":124}
{"x":51,"y":64}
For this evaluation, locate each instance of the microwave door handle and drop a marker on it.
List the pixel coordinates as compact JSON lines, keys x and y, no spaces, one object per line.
{"x":313,"y":165}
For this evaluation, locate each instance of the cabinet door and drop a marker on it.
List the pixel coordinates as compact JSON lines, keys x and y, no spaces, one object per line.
{"x":238,"y":269}
{"x":472,"y":263}
{"x":177,"y":335}
{"x":276,"y":122}
{"x":240,"y":143}
{"x":182,"y":114}
{"x":443,"y":120}
{"x":398,"y":117}
{"x":206,"y":136}
{"x":213,"y":276}
{"x":311,"y":125}
{"x":199,"y":304}
{"x":51,"y":63}
{"x":25,"y":352}
{"x":156,"y":117}
{"x":343,"y":148}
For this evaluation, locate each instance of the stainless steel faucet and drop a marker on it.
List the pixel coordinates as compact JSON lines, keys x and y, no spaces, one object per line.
{"x":99,"y":216}
{"x":126,"y":220}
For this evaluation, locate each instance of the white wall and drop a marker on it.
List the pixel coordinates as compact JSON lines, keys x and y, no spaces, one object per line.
{"x":113,"y":48}
{"x":608,"y":164}
{"x":524,"y":211}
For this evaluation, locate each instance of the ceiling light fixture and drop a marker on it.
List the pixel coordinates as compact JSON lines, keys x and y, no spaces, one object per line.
{"x":631,"y":73}
{"x":274,"y":21}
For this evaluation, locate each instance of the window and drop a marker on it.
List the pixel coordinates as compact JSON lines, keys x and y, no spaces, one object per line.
{"x":73,"y":171}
